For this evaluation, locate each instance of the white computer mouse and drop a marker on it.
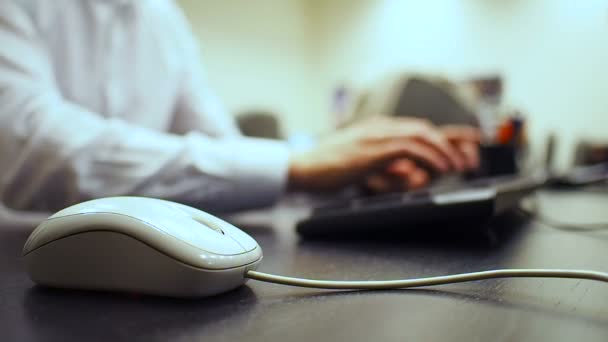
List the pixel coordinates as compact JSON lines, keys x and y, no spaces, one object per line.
{"x":140,"y":245}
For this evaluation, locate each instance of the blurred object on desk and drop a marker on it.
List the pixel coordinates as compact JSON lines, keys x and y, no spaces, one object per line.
{"x":260,"y":124}
{"x":498,"y":160}
{"x":511,"y":131}
{"x":506,"y":150}
{"x":487,"y":96}
{"x":417,"y":95}
{"x":591,"y":152}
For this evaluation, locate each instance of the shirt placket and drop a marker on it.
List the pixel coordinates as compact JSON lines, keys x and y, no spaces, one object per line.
{"x":115,"y":63}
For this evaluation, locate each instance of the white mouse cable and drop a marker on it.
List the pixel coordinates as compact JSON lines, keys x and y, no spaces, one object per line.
{"x":421,"y":282}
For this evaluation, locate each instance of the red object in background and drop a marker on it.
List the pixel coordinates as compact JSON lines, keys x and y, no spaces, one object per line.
{"x":506,"y":132}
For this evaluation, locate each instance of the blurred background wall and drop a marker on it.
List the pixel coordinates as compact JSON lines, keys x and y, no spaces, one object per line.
{"x":258,"y":56}
{"x":288,"y":56}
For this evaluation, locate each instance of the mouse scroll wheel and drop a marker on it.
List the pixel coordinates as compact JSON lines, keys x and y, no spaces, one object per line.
{"x":194,"y":214}
{"x":206,"y":223}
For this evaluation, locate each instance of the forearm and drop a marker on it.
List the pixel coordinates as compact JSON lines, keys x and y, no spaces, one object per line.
{"x":56,"y":153}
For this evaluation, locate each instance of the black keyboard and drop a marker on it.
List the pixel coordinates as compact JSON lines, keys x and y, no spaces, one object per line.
{"x":451,"y":204}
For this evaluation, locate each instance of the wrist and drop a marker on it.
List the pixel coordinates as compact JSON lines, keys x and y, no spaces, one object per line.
{"x":297,"y":172}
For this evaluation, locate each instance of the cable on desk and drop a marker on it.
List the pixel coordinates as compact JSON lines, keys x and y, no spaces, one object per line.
{"x":421,"y":282}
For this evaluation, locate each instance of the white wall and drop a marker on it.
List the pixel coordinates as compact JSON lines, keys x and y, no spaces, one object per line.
{"x":553,"y":53}
{"x":258,"y":55}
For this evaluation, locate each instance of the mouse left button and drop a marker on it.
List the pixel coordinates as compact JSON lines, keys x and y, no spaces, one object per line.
{"x":35,"y":239}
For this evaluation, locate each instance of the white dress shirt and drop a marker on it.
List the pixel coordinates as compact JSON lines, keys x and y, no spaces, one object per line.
{"x":107,"y":97}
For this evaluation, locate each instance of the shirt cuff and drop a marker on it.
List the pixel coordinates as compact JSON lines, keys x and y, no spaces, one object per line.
{"x":256,"y":170}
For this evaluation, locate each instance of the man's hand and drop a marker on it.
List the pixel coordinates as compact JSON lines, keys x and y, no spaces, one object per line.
{"x":404,"y":174}
{"x":401,"y":147}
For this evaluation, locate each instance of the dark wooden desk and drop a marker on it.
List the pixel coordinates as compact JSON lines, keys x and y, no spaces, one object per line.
{"x":497,"y":310}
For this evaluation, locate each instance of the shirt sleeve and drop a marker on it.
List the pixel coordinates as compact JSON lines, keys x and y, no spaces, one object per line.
{"x":54,"y":152}
{"x":197,"y":106}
